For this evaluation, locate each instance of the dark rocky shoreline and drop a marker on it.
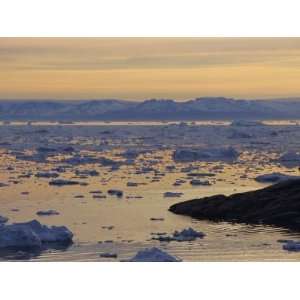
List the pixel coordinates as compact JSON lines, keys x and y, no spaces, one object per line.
{"x":277,"y":205}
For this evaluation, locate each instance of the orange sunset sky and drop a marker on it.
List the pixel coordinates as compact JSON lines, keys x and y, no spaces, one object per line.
{"x":142,"y":68}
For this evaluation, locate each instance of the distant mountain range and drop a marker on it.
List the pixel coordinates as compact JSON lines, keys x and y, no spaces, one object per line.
{"x":216,"y":108}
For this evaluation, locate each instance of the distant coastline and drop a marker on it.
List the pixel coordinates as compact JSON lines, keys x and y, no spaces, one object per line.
{"x":206,"y":108}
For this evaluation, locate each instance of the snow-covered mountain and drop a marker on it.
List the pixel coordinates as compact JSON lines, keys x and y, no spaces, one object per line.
{"x":154,"y":109}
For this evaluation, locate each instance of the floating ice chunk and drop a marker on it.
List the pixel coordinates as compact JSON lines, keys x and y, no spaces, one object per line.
{"x":170,"y":168}
{"x":134,"y":153}
{"x":117,"y":193}
{"x":290,"y":156}
{"x":240,"y":135}
{"x":133,"y":184}
{"x":157,"y":219}
{"x":18,"y":237}
{"x":275,"y":177}
{"x":292,"y":246}
{"x":3,"y":220}
{"x":153,"y":255}
{"x":246,"y":123}
{"x":199,"y":182}
{"x":172,"y":194}
{"x":109,"y":255}
{"x":198,"y":174}
{"x":52,"y":234}
{"x":69,"y":149}
{"x":80,"y":160}
{"x":188,"y":234}
{"x":33,"y":235}
{"x":61,"y":182}
{"x":45,"y":149}
{"x":49,"y":212}
{"x":205,"y":154}
{"x":46,"y":175}
{"x":87,"y":173}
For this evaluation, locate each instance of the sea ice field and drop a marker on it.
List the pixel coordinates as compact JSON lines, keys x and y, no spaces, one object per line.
{"x":111,"y":184}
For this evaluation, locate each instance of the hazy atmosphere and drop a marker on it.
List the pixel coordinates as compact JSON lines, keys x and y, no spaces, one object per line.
{"x":142,"y":68}
{"x":130,"y":172}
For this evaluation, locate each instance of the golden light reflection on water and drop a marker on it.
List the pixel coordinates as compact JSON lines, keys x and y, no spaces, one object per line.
{"x":130,"y":217}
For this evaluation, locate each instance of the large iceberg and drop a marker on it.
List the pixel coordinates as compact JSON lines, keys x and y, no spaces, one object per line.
{"x":205,"y":154}
{"x":33,"y":235}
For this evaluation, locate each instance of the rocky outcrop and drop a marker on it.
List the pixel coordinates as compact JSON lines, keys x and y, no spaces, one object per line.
{"x":278,"y":205}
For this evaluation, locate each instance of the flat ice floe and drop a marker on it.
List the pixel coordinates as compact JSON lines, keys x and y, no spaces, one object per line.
{"x":246,"y":123}
{"x":205,"y":154}
{"x":49,"y":212}
{"x":275,"y":177}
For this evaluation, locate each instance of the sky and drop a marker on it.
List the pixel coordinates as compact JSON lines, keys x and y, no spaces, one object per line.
{"x":144,"y":68}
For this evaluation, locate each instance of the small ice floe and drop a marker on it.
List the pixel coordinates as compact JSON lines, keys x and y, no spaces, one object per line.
{"x":205,"y":154}
{"x":246,"y":123}
{"x":188,"y":169}
{"x":153,"y":255}
{"x":3,"y":220}
{"x":290,"y":156}
{"x":275,"y":177}
{"x":157,"y":219}
{"x":109,"y":255}
{"x":68,"y":149}
{"x":99,"y":196}
{"x":87,"y":173}
{"x":199,"y":182}
{"x":79,"y":196}
{"x":199,"y":174}
{"x":186,"y":235}
{"x":61,"y":182}
{"x":49,"y":212}
{"x":46,"y":175}
{"x":33,"y":235}
{"x":132,"y":184}
{"x":117,"y":193}
{"x":134,"y":153}
{"x":96,"y":192}
{"x":59,"y":169}
{"x":172,"y":194}
{"x":147,"y":169}
{"x":45,"y":149}
{"x":240,"y":135}
{"x":80,"y":160}
{"x":110,"y":227}
{"x":291,"y":246}
{"x":107,"y":162}
{"x":170,"y":168}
